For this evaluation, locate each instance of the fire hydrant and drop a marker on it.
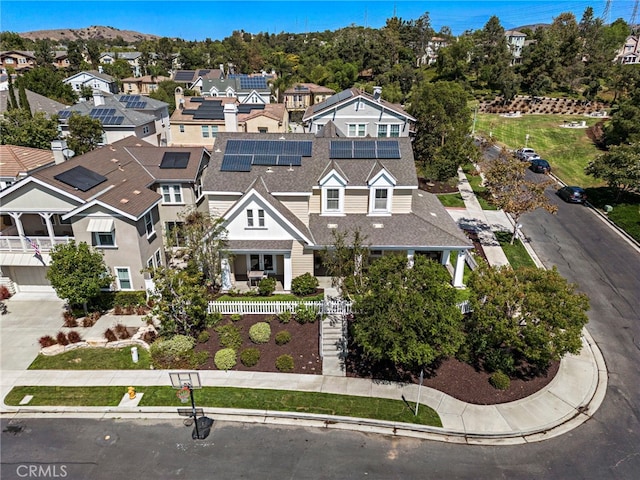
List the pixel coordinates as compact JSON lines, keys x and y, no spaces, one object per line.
{"x":132,"y":392}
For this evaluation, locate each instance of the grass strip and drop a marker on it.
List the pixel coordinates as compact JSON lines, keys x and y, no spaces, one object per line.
{"x":93,"y":359}
{"x":453,"y":200}
{"x":230,"y":397}
{"x":516,"y":253}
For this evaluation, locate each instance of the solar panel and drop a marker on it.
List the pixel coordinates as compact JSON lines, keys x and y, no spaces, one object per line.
{"x":364,"y":149}
{"x":332,"y":100}
{"x":197,"y":99}
{"x":80,"y":178}
{"x":248,"y":107}
{"x":102,"y":112}
{"x":236,"y":163}
{"x":265,"y":160}
{"x":62,"y":114}
{"x":250,"y":83}
{"x":233,"y":147}
{"x":136,"y":104}
{"x":175,"y":160}
{"x":387,"y":149}
{"x":341,"y":149}
{"x":129,"y":98}
{"x":290,"y":160}
{"x":184,"y":75}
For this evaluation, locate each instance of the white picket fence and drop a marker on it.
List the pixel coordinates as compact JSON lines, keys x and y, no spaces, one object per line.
{"x":276,"y":307}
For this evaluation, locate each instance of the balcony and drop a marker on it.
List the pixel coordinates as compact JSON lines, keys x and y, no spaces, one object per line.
{"x":16,"y":245}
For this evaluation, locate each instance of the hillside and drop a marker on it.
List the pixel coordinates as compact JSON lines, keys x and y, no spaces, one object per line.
{"x":93,"y":32}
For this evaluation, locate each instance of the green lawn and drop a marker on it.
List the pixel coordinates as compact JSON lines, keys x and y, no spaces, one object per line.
{"x":567,"y":150}
{"x":451,"y":200}
{"x":482,"y":194}
{"x":516,"y":253}
{"x":626,"y":211}
{"x":93,"y":359}
{"x":227,"y":397}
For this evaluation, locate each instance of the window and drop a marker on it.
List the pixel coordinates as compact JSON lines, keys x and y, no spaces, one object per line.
{"x":205,"y":131}
{"x":175,"y":235}
{"x":382,"y":130}
{"x":395,"y":131}
{"x":261,"y":218}
{"x":381,"y":199}
{"x":104,"y":239}
{"x":181,"y":128}
{"x":171,"y":194}
{"x":386,"y":130}
{"x":357,"y":130}
{"x":158,"y":258}
{"x":150,"y":263}
{"x":249,"y":218}
{"x":148,"y":224}
{"x":263,"y":129}
{"x":123,"y":277}
{"x":333,"y":199}
{"x":214,"y":131}
{"x":145,"y":130}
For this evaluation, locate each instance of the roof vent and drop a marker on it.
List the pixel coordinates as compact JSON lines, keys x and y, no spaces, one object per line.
{"x":136,"y":192}
{"x":378,"y":225}
{"x":269,"y":170}
{"x":433,"y":214}
{"x":332,"y":225}
{"x":124,"y":200}
{"x":114,"y":160}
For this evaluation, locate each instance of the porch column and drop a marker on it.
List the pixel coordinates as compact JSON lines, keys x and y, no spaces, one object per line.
{"x":459,"y":270}
{"x":16,"y":218}
{"x":225,"y":270}
{"x":410,"y":257}
{"x":444,"y":259}
{"x":50,"y":231}
{"x":288,"y":272}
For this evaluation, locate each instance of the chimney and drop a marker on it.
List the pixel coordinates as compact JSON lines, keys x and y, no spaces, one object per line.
{"x":57,"y":147}
{"x":230,"y":118}
{"x":98,"y":97}
{"x":99,"y":68}
{"x":377,"y":93}
{"x":222,"y":70}
{"x":179,"y":98}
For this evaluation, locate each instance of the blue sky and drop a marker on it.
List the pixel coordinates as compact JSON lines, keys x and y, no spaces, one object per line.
{"x":199,"y":19}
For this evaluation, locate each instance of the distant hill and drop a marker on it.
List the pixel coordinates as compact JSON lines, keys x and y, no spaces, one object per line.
{"x":533,"y":27}
{"x":89,"y":33}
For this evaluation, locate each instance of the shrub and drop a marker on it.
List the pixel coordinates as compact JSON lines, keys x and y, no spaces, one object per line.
{"x":267,"y":286}
{"x":305,"y":314}
{"x":304,"y":284}
{"x":149,"y":337}
{"x":236,"y":317}
{"x":121,"y":332}
{"x":198,"y":359}
{"x":4,"y":292}
{"x":283,"y":337}
{"x":46,"y":341}
{"x":90,"y":320}
{"x":260,"y":332}
{"x":225,"y":359}
{"x":70,"y":320}
{"x":203,"y":337}
{"x":74,"y":337}
{"x":130,"y":299}
{"x":285,"y":317}
{"x":62,"y":339}
{"x":212,"y":319}
{"x":500,"y":380}
{"x":250,"y":356}
{"x":176,"y":352}
{"x":110,"y":335}
{"x":230,"y":336}
{"x":284,"y":363}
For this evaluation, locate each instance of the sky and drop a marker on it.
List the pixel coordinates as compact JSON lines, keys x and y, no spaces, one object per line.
{"x":201,"y":19}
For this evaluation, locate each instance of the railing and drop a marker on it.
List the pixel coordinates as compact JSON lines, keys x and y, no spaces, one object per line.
{"x":15,"y":244}
{"x":276,"y":307}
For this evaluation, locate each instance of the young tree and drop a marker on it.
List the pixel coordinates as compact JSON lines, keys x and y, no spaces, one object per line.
{"x":624,"y":126}
{"x":20,"y":128}
{"x":409,"y":315}
{"x":24,"y":101}
{"x":345,"y":260}
{"x":12,"y":103}
{"x":528,"y":314}
{"x":619,"y":167}
{"x":77,"y":272}
{"x":85,"y":133}
{"x":505,"y":180}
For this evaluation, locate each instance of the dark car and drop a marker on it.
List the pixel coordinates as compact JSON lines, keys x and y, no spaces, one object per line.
{"x":539,"y":165}
{"x":572,"y":194}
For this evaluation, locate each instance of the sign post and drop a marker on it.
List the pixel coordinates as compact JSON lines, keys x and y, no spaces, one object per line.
{"x":419,"y":389}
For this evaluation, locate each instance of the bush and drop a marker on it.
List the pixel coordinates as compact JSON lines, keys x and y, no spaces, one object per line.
{"x":250,"y":356}
{"x":176,"y":352}
{"x":149,"y":337}
{"x":203,"y":337}
{"x":62,"y":339}
{"x":225,"y":359}
{"x":130,"y":299}
{"x":74,"y":337}
{"x":260,"y":332}
{"x":285,"y":317}
{"x":212,"y":319}
{"x":46,"y":341}
{"x":305,"y":314}
{"x":500,"y":381}
{"x":283,"y":337}
{"x":198,"y":359}
{"x":284,"y":363}
{"x":70,"y":320}
{"x":90,"y":320}
{"x":121,"y":332}
{"x":230,"y":336}
{"x":110,"y":335}
{"x":267,"y":286}
{"x":304,"y":285}
{"x":236,"y":317}
{"x":4,"y":292}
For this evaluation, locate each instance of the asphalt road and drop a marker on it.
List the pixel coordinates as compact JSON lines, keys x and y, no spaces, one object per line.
{"x":584,"y":250}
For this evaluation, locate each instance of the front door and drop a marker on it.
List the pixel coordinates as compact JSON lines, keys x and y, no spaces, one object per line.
{"x":262,"y":261}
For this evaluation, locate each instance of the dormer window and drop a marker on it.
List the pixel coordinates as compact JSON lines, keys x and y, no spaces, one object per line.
{"x":333,"y":186}
{"x":381,"y":193}
{"x":381,"y":200}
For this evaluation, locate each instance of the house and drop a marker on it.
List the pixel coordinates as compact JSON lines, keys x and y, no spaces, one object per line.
{"x":515,"y":43}
{"x":244,"y":88}
{"x":192,"y":79}
{"x":141,"y":85}
{"x":95,"y":80}
{"x":132,"y":58}
{"x":61,"y":59}
{"x":356,"y":113}
{"x":123,"y":199}
{"x":303,"y":95}
{"x":430,"y":55}
{"x":37,"y":102}
{"x":283,"y":196}
{"x":629,"y":53}
{"x":18,"y":60}
{"x":124,"y":116}
{"x":17,"y":162}
{"x":198,"y":120}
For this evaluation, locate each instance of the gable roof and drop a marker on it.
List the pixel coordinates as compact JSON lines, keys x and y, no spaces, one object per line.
{"x":16,"y":161}
{"x":307,"y":89}
{"x":208,"y":110}
{"x":37,"y":102}
{"x":91,"y":73}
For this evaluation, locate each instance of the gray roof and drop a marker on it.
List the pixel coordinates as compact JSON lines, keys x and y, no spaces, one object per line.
{"x":260,"y":245}
{"x":222,"y":84}
{"x":37,"y":102}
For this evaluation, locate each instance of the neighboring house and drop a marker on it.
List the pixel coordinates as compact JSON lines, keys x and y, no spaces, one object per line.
{"x":356,"y":113}
{"x":132,"y":58}
{"x":629,"y":54}
{"x":18,"y":162}
{"x":283,"y":196}
{"x":431,"y":51}
{"x":303,"y":95}
{"x":95,"y":80}
{"x":124,"y":116}
{"x":192,"y":79}
{"x":198,"y":120}
{"x":515,"y":42}
{"x":244,"y":88}
{"x":141,"y":85}
{"x":123,"y":199}
{"x":19,"y":60}
{"x":37,"y":102}
{"x":61,"y":60}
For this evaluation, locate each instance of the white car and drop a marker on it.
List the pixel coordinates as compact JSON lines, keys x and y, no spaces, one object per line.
{"x":525,"y":154}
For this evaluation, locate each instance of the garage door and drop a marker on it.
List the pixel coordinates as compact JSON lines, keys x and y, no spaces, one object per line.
{"x":30,"y":279}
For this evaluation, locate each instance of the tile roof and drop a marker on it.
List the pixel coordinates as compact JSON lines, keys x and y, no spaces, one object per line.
{"x":15,"y":160}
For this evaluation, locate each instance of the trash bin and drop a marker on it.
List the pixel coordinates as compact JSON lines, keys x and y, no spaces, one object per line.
{"x":134,"y":354}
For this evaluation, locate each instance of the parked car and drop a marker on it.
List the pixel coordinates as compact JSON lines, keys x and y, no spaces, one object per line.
{"x":525,"y":153}
{"x":572,"y":194}
{"x":539,"y":165}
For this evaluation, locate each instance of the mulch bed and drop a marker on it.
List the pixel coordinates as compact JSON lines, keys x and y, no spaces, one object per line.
{"x":303,"y":347}
{"x":437,"y":187}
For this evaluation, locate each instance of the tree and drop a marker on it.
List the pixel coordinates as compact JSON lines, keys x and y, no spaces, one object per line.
{"x":443,"y":124}
{"x":624,"y":126}
{"x":345,"y":261}
{"x":20,"y":128}
{"x":49,"y":83}
{"x":505,"y":180}
{"x":526,"y":315}
{"x":74,"y":55}
{"x":24,"y":101}
{"x":85,"y":133}
{"x":12,"y":103}
{"x":409,"y":315}
{"x":77,"y":272}
{"x":93,"y":52}
{"x":180,"y":301}
{"x":619,"y":167}
{"x":43,"y":53}
{"x":490,"y":56}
